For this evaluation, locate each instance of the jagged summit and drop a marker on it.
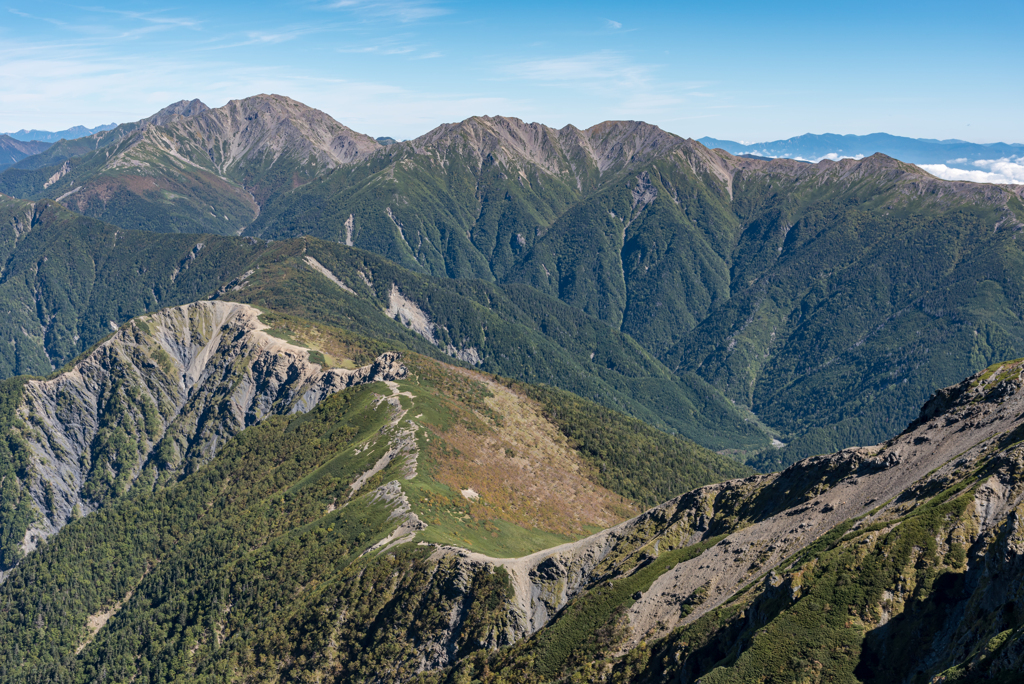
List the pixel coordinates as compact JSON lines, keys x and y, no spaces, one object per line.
{"x":176,"y":111}
{"x":278,"y":125}
{"x":190,"y":168}
{"x":604,"y":146}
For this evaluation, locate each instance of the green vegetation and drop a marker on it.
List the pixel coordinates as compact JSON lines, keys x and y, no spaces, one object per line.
{"x":244,"y":566}
{"x":839,"y":591}
{"x":16,"y":475}
{"x":516,"y":331}
{"x":67,"y":278}
{"x":630,"y":457}
{"x":830,"y":305}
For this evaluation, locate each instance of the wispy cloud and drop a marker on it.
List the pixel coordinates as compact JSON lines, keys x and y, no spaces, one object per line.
{"x":593,"y":68}
{"x":1006,"y":170}
{"x":628,"y":88}
{"x":158,"y":18}
{"x":41,"y":78}
{"x":264,"y":38}
{"x":102,"y":24}
{"x":612,"y":24}
{"x":26,"y":15}
{"x":405,"y":11}
{"x":379,"y":49}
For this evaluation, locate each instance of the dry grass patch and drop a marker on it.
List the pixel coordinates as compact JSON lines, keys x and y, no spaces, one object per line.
{"x":520,"y":466}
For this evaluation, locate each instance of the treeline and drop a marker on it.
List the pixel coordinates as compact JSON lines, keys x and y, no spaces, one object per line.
{"x":629,"y":456}
{"x":243,"y":569}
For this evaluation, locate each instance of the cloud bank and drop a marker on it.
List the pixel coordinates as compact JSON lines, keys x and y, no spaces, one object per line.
{"x":1006,"y":170}
{"x":831,"y":156}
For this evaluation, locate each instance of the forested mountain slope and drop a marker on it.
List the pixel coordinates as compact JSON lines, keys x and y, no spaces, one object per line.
{"x":513,"y":330}
{"x":391,"y":535}
{"x":153,"y":402}
{"x":829,"y":298}
{"x":303,"y":512}
{"x":12,"y":151}
{"x":896,"y":563}
{"x":70,"y":280}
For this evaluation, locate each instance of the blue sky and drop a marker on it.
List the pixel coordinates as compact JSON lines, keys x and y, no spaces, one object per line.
{"x":749,"y":71}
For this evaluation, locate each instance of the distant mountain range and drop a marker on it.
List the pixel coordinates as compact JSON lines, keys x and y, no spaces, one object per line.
{"x":53,"y":136}
{"x":810,"y":147}
{"x":26,"y":143}
{"x":13,"y":151}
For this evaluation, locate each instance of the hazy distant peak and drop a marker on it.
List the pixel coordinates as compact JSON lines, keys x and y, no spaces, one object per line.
{"x":13,"y":150}
{"x":30,"y":135}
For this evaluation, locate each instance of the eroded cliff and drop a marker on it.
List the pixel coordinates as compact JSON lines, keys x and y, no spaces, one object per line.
{"x":158,"y":398}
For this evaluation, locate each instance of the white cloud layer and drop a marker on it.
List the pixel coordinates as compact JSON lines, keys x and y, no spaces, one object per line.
{"x":1006,"y":170}
{"x":831,"y":156}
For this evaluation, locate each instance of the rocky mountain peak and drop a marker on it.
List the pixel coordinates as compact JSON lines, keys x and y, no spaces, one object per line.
{"x":275,"y":124}
{"x":504,"y":139}
{"x":620,"y":142}
{"x":182,"y":109}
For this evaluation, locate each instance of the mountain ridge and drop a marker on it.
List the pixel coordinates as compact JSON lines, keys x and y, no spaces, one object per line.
{"x":13,"y":150}
{"x":189,"y":168}
{"x":660,"y":238}
{"x":176,"y":384}
{"x":28,"y":135}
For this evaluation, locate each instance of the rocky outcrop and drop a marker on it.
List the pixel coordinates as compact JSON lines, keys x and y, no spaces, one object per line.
{"x":159,"y":398}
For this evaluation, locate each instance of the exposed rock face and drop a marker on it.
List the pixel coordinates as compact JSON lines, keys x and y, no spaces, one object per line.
{"x":213,"y":169}
{"x":262,"y":125}
{"x":183,"y":109}
{"x":158,"y":399}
